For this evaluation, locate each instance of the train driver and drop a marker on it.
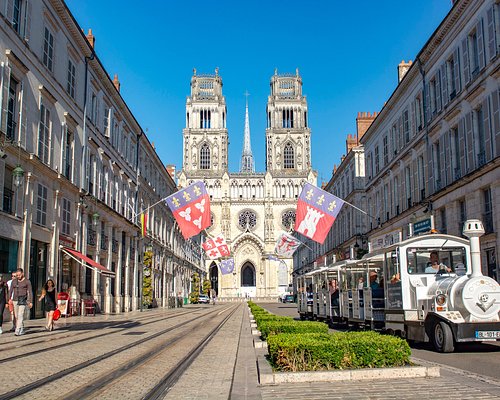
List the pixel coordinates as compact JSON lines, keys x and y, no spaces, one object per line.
{"x":434,"y":265}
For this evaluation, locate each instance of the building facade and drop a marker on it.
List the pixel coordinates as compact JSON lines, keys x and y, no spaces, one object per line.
{"x":432,"y":154}
{"x":76,"y":167}
{"x":250,"y":208}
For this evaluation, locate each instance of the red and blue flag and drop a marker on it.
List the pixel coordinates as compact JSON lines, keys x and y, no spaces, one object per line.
{"x":191,"y":209}
{"x":316,"y":212}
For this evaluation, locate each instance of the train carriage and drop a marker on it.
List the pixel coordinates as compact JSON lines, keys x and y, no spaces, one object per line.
{"x":398,"y":289}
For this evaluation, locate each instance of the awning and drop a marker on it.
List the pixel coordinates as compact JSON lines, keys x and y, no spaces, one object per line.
{"x":87,"y":262}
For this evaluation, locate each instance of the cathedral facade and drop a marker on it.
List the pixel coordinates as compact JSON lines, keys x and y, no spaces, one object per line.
{"x":249,"y":208}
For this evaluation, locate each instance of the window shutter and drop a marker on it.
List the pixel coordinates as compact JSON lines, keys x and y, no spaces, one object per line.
{"x":456,"y":58}
{"x":444,"y":85}
{"x":442,"y":161}
{"x":448,"y":158}
{"x":62,"y":161}
{"x":463,"y":149}
{"x":480,"y":43}
{"x":4,"y":96}
{"x":438,"y":90}
{"x":9,"y":10}
{"x":465,"y":58}
{"x":413,"y":124}
{"x":52,"y":140}
{"x":427,"y":104}
{"x":496,"y":122}
{"x":23,"y":121}
{"x":27,"y":20}
{"x":469,"y":138}
{"x":400,"y":134}
{"x":490,"y":21}
{"x":487,"y":129}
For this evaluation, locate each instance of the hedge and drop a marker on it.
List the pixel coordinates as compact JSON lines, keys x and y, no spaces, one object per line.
{"x":271,"y":327}
{"x":348,"y":350}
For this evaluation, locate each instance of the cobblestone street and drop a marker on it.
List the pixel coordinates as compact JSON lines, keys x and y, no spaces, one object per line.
{"x":126,"y":356}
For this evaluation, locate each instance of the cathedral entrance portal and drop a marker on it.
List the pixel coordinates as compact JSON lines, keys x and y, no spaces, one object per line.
{"x":248,"y":288}
{"x":214,"y":278}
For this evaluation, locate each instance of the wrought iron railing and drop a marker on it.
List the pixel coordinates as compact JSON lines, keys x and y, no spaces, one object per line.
{"x":104,"y":242}
{"x":91,"y":237}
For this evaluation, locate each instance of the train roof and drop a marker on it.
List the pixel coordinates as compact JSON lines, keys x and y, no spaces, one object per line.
{"x":415,"y":239}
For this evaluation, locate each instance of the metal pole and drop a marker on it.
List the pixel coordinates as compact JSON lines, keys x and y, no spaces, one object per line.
{"x":141,"y":286}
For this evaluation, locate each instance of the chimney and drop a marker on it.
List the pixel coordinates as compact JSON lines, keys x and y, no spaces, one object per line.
{"x":91,"y":38}
{"x":403,"y":68}
{"x":116,"y":82}
{"x":363,"y":122}
{"x":153,"y":145}
{"x":350,"y":142}
{"x":171,"y":170}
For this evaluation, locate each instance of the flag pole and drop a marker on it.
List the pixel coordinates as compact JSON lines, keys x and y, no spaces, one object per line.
{"x":359,"y":209}
{"x":147,"y":208}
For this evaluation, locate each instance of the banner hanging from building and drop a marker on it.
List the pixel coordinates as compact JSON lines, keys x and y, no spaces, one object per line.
{"x":191,"y":209}
{"x":286,"y":245}
{"x":144,"y":224}
{"x":316,"y":212}
{"x":227,"y":266}
{"x":216,"y":248}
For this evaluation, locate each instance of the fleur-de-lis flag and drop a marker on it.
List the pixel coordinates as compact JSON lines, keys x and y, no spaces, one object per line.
{"x":191,"y":209}
{"x":316,"y":212}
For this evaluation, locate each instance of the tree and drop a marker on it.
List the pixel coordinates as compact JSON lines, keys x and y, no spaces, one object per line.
{"x":206,"y":286}
{"x":194,"y":296}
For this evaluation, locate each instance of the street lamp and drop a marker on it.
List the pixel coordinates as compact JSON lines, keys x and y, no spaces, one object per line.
{"x":95,"y":218}
{"x":18,"y":175}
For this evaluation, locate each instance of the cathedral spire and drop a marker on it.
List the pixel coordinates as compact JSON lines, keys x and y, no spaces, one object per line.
{"x":247,"y":164}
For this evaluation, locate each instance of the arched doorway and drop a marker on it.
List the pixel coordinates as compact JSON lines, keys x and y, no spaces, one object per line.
{"x":248,"y":275}
{"x":214,"y":278}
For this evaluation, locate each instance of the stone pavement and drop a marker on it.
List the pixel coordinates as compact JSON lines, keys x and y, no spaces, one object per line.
{"x":226,"y":368}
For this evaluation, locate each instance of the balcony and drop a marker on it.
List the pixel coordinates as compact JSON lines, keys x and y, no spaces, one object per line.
{"x":91,"y":237}
{"x":8,"y":197}
{"x":104,"y":242}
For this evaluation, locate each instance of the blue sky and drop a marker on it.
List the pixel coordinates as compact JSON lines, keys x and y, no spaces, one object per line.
{"x":347,"y":53}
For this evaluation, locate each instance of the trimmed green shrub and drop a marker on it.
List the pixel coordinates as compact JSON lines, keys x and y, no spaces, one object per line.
{"x":349,"y":350}
{"x":274,"y":327}
{"x":264,"y":318}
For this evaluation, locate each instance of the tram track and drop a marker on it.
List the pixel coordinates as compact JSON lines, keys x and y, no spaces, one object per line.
{"x":109,"y":381}
{"x":93,"y":361}
{"x":121,"y":327}
{"x":82,"y":327}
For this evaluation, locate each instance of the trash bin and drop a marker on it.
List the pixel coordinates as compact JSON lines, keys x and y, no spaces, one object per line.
{"x":185,"y":300}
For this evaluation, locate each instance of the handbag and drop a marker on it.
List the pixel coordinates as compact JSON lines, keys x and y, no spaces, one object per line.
{"x":22,"y":300}
{"x":57,"y":314}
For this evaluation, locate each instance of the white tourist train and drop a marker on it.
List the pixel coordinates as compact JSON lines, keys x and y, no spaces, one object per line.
{"x":426,"y":288}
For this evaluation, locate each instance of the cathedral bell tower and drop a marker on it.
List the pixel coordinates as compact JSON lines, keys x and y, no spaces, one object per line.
{"x":288,"y":137}
{"x":205,"y":136}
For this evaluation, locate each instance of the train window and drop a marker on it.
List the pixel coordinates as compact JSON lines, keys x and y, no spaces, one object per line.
{"x":393,"y":266}
{"x":432,"y":260}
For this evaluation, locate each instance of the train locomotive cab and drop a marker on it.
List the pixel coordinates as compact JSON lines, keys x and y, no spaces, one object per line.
{"x":435,"y":291}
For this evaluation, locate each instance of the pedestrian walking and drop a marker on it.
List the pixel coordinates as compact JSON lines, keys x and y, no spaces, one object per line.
{"x":4,"y":298}
{"x":49,"y":296}
{"x":11,"y":303}
{"x":22,"y":297}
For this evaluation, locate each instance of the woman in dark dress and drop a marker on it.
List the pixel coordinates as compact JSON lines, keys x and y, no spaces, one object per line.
{"x":49,"y":294}
{"x":4,"y":290}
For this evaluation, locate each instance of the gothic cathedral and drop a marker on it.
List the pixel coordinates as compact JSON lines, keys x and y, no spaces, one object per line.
{"x":250,"y":208}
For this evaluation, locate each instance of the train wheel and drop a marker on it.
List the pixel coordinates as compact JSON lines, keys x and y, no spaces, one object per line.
{"x":442,"y":337}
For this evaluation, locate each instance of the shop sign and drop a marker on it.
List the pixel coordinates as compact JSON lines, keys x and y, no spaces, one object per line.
{"x":386,"y":240}
{"x":422,"y":226}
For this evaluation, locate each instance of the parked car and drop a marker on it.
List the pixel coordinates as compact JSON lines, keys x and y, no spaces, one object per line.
{"x":203,"y":299}
{"x":289,"y":298}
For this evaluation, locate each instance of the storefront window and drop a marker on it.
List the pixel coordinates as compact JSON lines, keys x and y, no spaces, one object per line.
{"x":8,"y":255}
